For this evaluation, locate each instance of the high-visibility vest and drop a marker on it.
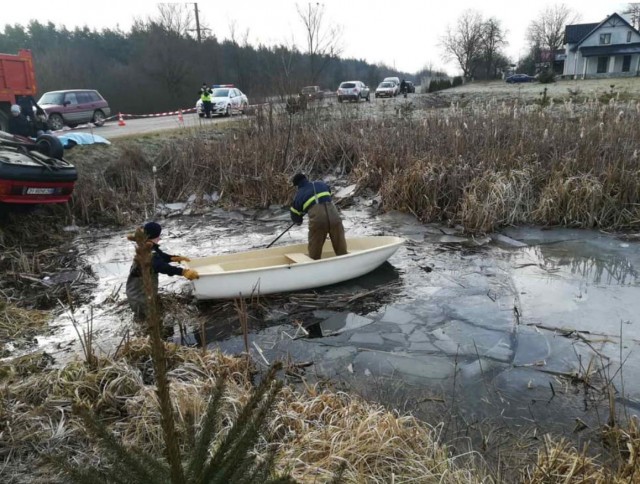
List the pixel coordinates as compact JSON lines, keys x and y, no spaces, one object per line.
{"x":206,"y":95}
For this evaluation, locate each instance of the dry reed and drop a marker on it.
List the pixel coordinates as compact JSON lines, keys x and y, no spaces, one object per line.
{"x":315,"y":431}
{"x":484,"y":165}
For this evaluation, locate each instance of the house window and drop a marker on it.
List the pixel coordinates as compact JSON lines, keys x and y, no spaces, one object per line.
{"x":626,"y":63}
{"x":629,"y":36}
{"x":605,"y":39}
{"x":602,"y":64}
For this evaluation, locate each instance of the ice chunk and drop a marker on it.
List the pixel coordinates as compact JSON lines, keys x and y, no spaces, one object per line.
{"x":395,"y":337}
{"x":367,"y":339}
{"x":346,"y":191}
{"x":398,"y":316}
{"x":412,"y":368}
{"x":508,"y":241}
{"x":418,"y":336}
{"x":342,"y":322}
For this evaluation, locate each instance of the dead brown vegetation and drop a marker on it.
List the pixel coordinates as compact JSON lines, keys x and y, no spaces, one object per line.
{"x":316,"y":430}
{"x":483,"y":166}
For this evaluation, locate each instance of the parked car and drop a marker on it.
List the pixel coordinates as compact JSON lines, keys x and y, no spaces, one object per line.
{"x":225,"y":100}
{"x":386,"y":89}
{"x":312,"y":93}
{"x":411,"y":88}
{"x":396,"y":81}
{"x":519,"y":78}
{"x":74,"y":107}
{"x":353,"y":90}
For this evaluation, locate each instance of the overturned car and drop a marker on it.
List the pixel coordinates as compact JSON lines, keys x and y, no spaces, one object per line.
{"x":34,"y":172}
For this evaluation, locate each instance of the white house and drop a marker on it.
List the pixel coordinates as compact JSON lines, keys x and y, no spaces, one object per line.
{"x":610,"y":48}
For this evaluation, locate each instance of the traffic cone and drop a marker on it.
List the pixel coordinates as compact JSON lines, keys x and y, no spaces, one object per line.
{"x":120,"y":120}
{"x":180,"y":118}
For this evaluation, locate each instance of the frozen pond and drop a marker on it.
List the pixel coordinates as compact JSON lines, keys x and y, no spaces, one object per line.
{"x":528,"y":325}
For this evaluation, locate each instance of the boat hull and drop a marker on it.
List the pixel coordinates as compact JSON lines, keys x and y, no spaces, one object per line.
{"x":288,"y":268}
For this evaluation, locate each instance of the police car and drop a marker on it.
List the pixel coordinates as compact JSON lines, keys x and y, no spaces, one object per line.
{"x":225,"y":100}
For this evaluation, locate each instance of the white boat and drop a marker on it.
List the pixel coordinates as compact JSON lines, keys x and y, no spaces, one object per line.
{"x":287,"y":268}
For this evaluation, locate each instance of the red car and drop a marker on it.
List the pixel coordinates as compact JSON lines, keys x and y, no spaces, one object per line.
{"x":34,"y":172}
{"x":74,"y":107}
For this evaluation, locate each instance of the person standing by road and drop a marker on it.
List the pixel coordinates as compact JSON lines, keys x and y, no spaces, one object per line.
{"x":403,"y":87}
{"x":160,"y":264}
{"x":205,"y":97}
{"x":314,"y":198}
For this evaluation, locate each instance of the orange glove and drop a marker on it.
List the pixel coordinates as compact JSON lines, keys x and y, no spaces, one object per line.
{"x":179,"y":258}
{"x":190,"y":274}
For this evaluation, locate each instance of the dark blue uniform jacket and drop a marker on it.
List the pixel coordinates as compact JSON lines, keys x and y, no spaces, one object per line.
{"x":160,"y":262}
{"x":309,"y":193}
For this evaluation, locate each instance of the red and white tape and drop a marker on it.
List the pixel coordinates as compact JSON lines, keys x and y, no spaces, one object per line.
{"x":170,"y":113}
{"x":155,"y":115}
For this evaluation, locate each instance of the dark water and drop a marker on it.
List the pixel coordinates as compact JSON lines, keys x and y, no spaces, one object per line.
{"x":524,"y":327}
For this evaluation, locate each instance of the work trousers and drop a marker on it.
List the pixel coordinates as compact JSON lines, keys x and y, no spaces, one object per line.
{"x":136,"y":295}
{"x":324,"y":219}
{"x":208,"y":107}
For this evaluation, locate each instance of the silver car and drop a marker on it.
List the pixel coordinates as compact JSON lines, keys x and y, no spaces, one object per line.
{"x":386,"y":89}
{"x":353,"y":91}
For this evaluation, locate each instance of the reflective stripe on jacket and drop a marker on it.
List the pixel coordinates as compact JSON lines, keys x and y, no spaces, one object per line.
{"x":309,"y":193}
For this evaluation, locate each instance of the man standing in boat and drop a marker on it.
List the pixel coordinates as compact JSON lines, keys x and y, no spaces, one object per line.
{"x":314,"y":198}
{"x":160,"y":264}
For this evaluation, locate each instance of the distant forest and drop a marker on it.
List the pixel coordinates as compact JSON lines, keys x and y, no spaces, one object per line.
{"x":156,"y":67}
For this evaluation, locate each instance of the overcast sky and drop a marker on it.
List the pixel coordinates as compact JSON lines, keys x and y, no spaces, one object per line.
{"x":404,"y":34}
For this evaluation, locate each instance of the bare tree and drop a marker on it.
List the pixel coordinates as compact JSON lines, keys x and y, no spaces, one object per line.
{"x":493,"y":39}
{"x":633,"y":10}
{"x":175,"y":17}
{"x":323,"y":41}
{"x":162,"y":53}
{"x":238,"y":38}
{"x":463,"y":42}
{"x":547,"y":31}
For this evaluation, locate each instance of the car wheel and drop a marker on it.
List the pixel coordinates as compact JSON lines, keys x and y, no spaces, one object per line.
{"x":50,"y":145}
{"x":55,"y":122}
{"x":368,"y":98}
{"x":98,"y":118}
{"x":227,"y":112}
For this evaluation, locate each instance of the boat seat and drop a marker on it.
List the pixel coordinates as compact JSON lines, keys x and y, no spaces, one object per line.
{"x":212,"y":269}
{"x":298,"y":257}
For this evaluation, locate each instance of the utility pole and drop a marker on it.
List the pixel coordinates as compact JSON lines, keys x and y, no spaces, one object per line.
{"x":197,"y":23}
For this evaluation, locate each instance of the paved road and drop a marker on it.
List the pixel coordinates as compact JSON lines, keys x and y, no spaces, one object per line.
{"x":111,"y":129}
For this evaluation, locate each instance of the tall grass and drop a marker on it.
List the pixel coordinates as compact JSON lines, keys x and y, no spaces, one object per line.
{"x":484,"y":166}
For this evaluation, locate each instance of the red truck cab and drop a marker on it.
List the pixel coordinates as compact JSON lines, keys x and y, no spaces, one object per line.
{"x":17,"y":78}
